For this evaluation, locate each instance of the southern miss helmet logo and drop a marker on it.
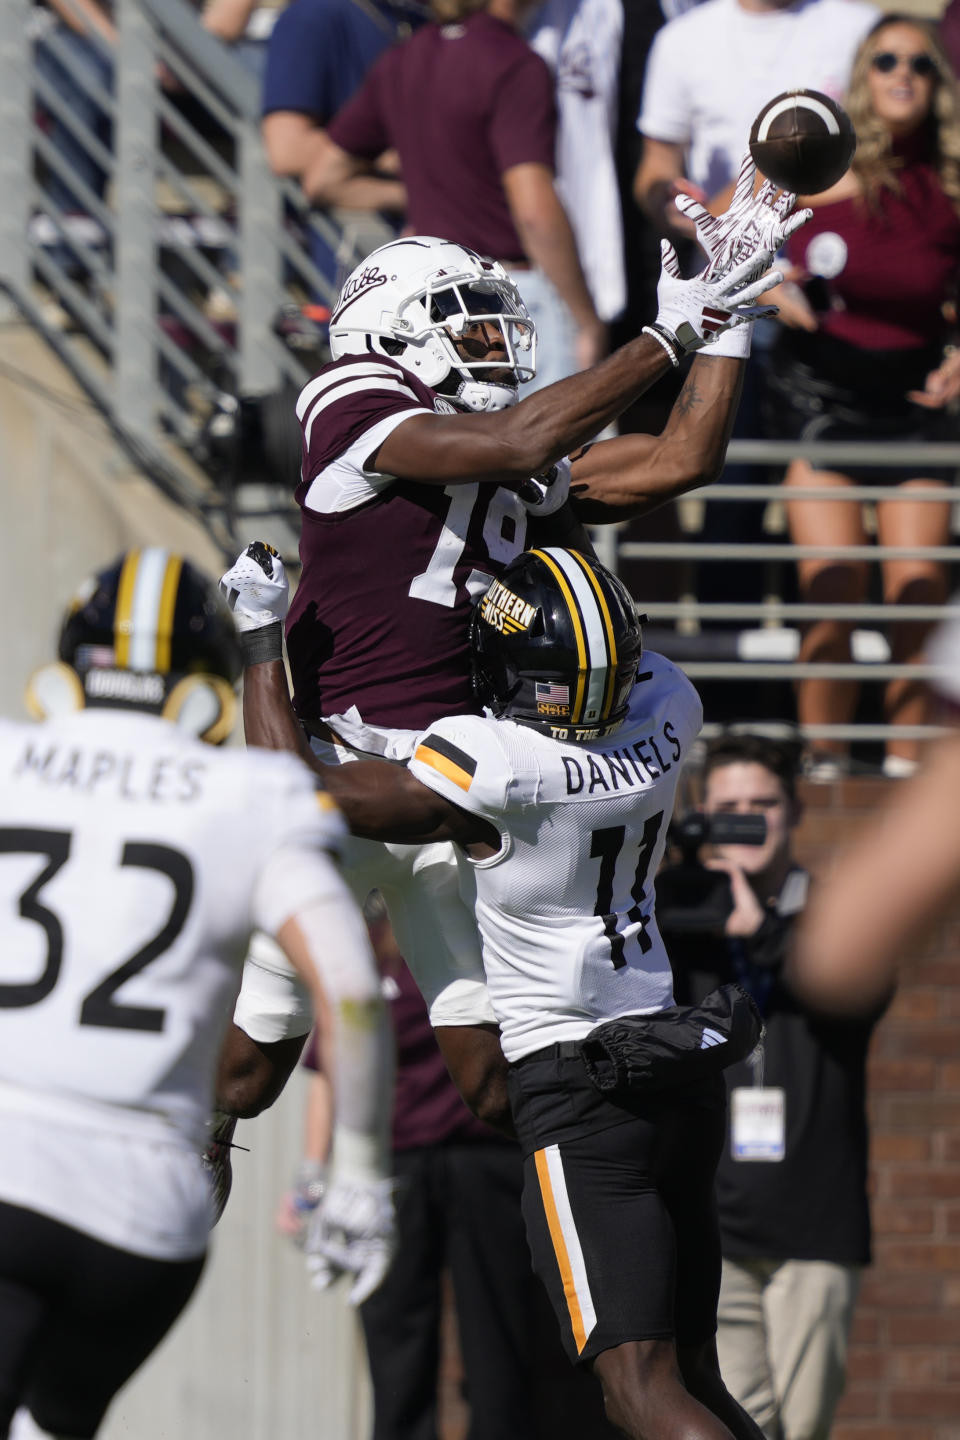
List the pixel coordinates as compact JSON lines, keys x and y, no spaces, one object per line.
{"x":505,"y":611}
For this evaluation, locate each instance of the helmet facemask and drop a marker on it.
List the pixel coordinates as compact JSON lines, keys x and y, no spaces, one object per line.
{"x":452,"y":307}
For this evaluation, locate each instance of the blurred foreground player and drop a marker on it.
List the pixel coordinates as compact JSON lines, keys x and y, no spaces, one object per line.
{"x":558,"y":800}
{"x":134,"y":863}
{"x":901,"y":875}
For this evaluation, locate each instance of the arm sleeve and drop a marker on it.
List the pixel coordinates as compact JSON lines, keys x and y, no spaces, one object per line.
{"x":360,"y":127}
{"x":300,"y":881}
{"x":665,"y":110}
{"x":523,"y":125}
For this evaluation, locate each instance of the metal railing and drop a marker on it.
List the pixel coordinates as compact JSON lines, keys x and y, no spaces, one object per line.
{"x":156,"y":230}
{"x":747,"y":643}
{"x":143,"y":232}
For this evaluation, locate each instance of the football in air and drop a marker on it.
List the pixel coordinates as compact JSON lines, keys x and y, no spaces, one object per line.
{"x":803,"y":141}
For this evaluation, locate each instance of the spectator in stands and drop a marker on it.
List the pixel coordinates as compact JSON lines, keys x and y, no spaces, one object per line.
{"x":791,"y":1184}
{"x":949,"y":28}
{"x":319,"y":53}
{"x":244,"y":25}
{"x":471,"y":111}
{"x":866,"y":358}
{"x":75,"y":57}
{"x":709,"y":73}
{"x":581,"y":42}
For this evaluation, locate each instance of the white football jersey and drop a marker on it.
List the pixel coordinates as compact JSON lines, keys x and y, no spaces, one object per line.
{"x":566,"y":907}
{"x":133,"y":867}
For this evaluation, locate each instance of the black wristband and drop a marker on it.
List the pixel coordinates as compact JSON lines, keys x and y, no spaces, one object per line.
{"x":257,"y":647}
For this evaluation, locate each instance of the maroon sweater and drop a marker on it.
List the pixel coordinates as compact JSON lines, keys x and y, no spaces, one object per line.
{"x":899,"y":264}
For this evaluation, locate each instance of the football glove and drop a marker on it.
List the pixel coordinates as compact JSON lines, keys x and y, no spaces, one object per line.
{"x":545,"y":494}
{"x":256,"y":588}
{"x":693,"y":313}
{"x":216,"y":1160}
{"x":352,"y":1232}
{"x":755,"y":226}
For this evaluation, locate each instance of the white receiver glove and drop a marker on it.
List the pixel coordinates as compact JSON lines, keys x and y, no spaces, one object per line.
{"x":256,"y":587}
{"x":755,"y":226}
{"x":352,"y":1232}
{"x":740,"y":244}
{"x":692,"y":313}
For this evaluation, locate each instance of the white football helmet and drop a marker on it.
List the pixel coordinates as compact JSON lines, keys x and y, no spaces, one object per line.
{"x":412,"y":299}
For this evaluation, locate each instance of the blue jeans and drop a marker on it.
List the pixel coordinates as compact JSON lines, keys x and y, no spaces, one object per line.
{"x":90,"y":61}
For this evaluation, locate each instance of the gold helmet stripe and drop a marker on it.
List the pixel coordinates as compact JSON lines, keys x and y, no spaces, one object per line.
{"x":168,"y":602}
{"x":146,"y":600}
{"x":123,"y":613}
{"x":596,"y":623}
{"x":608,"y":627}
{"x":578,"y":630}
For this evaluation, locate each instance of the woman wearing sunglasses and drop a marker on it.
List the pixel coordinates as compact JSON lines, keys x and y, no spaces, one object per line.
{"x":865,"y":358}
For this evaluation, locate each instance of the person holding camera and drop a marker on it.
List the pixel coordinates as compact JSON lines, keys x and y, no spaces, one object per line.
{"x":791,"y":1184}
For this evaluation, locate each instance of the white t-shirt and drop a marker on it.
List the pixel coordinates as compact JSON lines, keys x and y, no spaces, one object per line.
{"x":713,"y":69}
{"x":565,"y":908}
{"x":581,"y":41}
{"x":134,"y":863}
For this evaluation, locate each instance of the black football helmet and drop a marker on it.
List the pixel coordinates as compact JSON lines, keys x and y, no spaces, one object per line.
{"x":150,"y":632}
{"x":555,"y":644}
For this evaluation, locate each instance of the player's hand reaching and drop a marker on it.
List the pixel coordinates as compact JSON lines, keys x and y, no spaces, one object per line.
{"x":754,"y":226}
{"x":256,"y":587}
{"x":697,"y":312}
{"x":352,"y":1232}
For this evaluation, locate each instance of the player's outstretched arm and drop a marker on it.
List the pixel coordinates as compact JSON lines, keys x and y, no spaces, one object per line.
{"x":327,"y":943}
{"x":633,"y":474}
{"x":512,"y":445}
{"x":257,"y":591}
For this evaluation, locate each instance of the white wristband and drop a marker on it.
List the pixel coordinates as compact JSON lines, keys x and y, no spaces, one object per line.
{"x":657,"y":333}
{"x":733,"y":344}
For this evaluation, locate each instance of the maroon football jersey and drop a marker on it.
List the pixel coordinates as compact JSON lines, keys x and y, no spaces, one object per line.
{"x":391,"y":568}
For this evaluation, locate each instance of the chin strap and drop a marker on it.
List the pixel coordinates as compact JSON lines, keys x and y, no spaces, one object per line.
{"x":481,"y":396}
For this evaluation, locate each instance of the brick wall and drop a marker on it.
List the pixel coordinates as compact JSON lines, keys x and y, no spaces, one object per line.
{"x":904,"y":1371}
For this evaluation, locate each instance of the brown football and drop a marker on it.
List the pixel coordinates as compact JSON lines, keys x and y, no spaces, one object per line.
{"x":803,"y":141}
